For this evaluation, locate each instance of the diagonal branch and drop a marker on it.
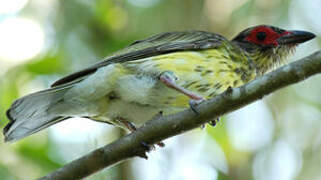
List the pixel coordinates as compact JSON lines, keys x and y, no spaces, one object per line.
{"x":162,"y":127}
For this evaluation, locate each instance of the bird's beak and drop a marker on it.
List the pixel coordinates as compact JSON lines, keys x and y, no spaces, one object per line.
{"x":295,"y":37}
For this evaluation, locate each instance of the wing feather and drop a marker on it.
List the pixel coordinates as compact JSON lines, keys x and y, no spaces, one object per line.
{"x":159,"y":44}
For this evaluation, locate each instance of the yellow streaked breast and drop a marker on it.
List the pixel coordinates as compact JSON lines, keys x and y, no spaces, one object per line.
{"x":206,"y":72}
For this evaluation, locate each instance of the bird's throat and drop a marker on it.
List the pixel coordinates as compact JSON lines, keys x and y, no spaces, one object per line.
{"x":268,"y":60}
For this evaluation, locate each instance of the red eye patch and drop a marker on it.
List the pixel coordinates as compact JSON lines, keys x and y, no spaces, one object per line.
{"x":265,"y":36}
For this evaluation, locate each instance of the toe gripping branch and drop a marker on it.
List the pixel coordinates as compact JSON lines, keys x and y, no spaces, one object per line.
{"x":147,"y":147}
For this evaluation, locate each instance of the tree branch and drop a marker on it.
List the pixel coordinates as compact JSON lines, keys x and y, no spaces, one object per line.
{"x":162,"y":127}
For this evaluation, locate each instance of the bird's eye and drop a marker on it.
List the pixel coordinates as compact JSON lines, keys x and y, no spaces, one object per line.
{"x":260,"y":36}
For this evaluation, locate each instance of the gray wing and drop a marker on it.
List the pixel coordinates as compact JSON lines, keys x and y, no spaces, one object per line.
{"x":159,"y":44}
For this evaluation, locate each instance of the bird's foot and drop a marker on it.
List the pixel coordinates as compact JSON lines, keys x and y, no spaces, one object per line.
{"x":148,"y":148}
{"x":214,"y":122}
{"x":169,"y":79}
{"x":193,"y":103}
{"x":160,"y":144}
{"x":211,"y":122}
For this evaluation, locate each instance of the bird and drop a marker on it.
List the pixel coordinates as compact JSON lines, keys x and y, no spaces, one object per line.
{"x":165,"y":73}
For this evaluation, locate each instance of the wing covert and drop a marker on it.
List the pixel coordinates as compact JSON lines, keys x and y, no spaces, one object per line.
{"x":155,"y":45}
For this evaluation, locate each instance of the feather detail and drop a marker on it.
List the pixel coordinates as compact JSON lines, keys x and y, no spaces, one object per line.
{"x":30,"y":114}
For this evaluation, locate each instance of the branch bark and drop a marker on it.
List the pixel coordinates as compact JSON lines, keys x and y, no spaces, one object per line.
{"x":162,"y":127}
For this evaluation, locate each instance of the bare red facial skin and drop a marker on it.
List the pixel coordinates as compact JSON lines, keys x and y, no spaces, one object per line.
{"x":270,"y":39}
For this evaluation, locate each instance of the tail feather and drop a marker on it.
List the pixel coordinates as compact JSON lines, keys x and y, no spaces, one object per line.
{"x":30,"y":114}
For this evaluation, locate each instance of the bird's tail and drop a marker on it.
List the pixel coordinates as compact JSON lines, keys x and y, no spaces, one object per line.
{"x":30,"y":114}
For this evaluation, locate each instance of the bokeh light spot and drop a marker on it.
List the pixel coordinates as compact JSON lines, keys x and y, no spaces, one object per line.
{"x":11,"y":6}
{"x":143,"y":3}
{"x":21,"y":39}
{"x":251,"y":127}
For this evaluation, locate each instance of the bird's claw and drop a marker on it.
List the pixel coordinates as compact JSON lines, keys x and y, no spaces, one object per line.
{"x":161,"y":144}
{"x":214,"y":122}
{"x":194,"y":103}
{"x":147,"y":147}
{"x":211,"y":122}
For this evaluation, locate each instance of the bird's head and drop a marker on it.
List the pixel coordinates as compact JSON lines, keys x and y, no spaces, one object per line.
{"x":269,"y":46}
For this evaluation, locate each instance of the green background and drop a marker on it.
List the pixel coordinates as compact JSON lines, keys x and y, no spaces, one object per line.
{"x":276,"y":138}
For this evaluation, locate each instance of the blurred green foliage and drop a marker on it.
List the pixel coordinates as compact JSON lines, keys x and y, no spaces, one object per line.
{"x":79,"y":33}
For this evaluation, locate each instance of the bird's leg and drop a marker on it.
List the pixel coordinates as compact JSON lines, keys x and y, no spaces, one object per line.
{"x":131,"y":127}
{"x":169,"y":78}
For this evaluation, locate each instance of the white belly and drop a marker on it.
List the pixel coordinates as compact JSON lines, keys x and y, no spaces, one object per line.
{"x":136,"y":113}
{"x":137,"y":98}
